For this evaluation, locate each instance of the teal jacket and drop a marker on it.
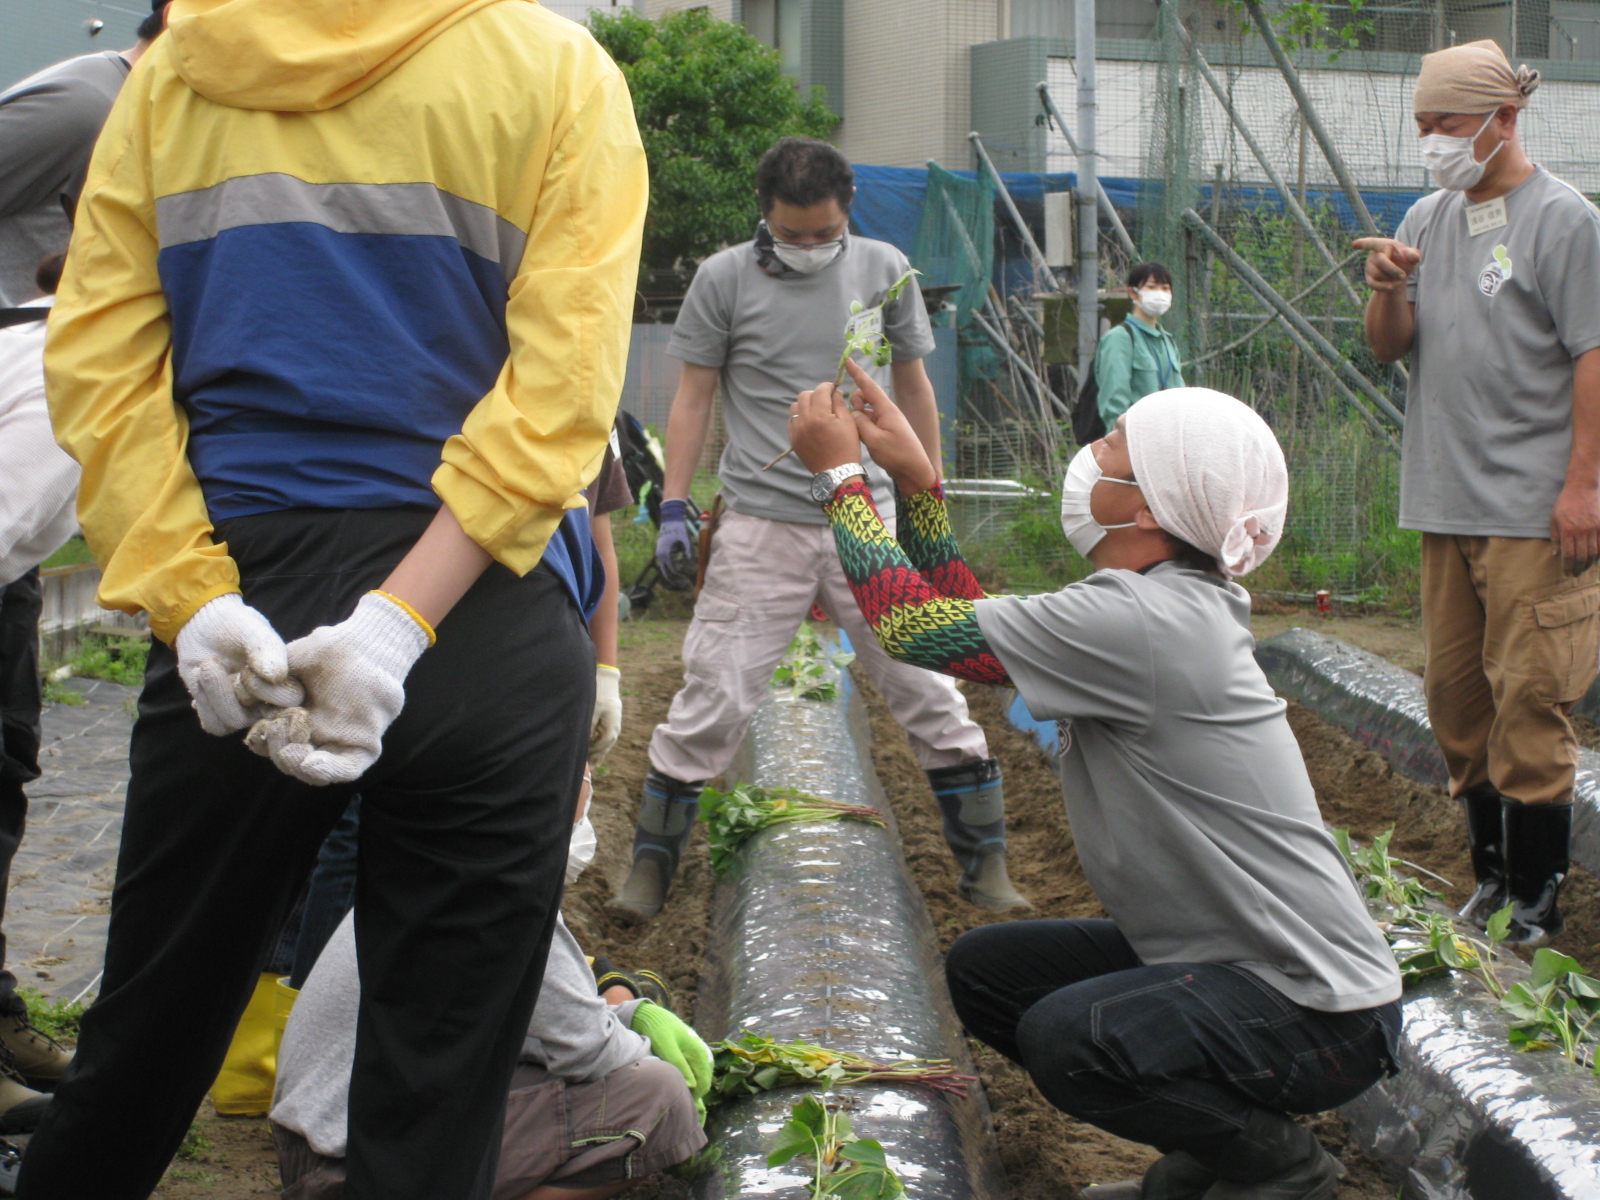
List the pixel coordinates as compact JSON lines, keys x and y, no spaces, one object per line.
{"x":1133,"y":360}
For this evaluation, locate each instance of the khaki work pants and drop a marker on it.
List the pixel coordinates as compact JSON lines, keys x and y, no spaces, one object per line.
{"x":1512,"y":643}
{"x":762,"y":580}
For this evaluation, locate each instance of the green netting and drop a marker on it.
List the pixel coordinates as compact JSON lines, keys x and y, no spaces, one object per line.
{"x":955,"y":245}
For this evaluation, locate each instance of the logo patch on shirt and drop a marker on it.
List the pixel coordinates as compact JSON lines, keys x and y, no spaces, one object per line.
{"x":1494,"y":276}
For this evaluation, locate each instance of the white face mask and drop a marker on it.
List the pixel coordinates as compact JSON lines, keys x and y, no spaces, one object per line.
{"x":808,"y":259}
{"x":580,"y":850}
{"x":1077,"y":522}
{"x":1450,"y":159}
{"x":1155,"y":302}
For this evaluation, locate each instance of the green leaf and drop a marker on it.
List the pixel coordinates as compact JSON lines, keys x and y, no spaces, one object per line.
{"x":793,"y":1139}
{"x":1499,"y":926}
{"x":866,"y":1151}
{"x":767,"y":1077}
{"x":811,"y":1112}
{"x":1586,"y":986}
{"x":1551,"y":965}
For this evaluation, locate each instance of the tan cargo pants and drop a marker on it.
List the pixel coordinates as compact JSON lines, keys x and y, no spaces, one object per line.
{"x":1512,"y":643}
{"x":762,"y":580}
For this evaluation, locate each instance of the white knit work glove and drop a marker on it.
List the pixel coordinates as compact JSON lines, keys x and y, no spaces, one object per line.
{"x":607,"y":711}
{"x":224,"y":646}
{"x":354,"y":675}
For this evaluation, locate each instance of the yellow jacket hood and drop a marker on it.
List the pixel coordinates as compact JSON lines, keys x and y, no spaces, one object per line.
{"x":300,"y":55}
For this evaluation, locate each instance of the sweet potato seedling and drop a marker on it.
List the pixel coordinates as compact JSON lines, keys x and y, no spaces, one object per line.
{"x":845,"y":1165}
{"x":863,"y":335}
{"x":752,"y":1064}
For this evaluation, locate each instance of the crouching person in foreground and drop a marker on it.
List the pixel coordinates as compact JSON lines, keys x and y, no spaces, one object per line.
{"x":1239,"y":978}
{"x":602,"y":1097}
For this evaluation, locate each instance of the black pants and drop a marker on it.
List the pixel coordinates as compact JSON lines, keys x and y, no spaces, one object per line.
{"x":464,"y":831}
{"x":1175,"y":1056}
{"x":21,"y":698}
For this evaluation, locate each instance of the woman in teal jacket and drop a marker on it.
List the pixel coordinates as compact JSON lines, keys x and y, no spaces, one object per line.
{"x":1138,"y":356}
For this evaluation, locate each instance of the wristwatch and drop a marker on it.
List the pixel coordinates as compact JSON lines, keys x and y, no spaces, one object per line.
{"x":825,"y":483}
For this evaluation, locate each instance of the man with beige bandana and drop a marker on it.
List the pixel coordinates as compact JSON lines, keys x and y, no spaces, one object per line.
{"x":1490,"y":285}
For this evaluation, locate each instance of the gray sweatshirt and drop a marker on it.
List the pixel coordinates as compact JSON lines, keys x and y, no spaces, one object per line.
{"x":48,"y":126}
{"x":574,"y":1035}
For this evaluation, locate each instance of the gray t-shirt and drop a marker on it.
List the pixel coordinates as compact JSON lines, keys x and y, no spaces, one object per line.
{"x":48,"y":126}
{"x":775,"y":337}
{"x":1191,"y":809}
{"x":1499,"y":318}
{"x":574,"y":1035}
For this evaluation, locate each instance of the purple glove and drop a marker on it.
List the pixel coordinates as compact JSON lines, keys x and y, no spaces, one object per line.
{"x":674,"y":547}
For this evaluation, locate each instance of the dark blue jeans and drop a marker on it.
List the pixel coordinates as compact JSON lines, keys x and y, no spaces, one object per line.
{"x":1176,"y":1056}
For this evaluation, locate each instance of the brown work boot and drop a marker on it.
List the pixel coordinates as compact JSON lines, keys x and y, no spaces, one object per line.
{"x":36,"y":1056}
{"x":20,"y":1106}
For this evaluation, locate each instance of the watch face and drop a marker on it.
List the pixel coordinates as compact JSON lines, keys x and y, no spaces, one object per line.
{"x":822,"y":487}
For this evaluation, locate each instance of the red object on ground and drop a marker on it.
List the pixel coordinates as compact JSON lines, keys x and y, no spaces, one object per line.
{"x":817,"y":614}
{"x":1324,"y":601}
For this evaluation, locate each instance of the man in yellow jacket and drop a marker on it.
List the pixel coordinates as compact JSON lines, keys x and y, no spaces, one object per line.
{"x":340,"y":341}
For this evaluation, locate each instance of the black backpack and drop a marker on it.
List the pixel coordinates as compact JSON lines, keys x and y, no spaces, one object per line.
{"x":1086,"y":423}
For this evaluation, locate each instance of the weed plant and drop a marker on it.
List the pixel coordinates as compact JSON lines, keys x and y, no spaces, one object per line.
{"x":54,"y":1018}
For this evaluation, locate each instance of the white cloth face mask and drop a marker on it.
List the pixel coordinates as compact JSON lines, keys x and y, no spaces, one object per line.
{"x":1077,"y":522}
{"x":1450,"y":159}
{"x":1155,"y":301}
{"x":580,"y":850}
{"x":808,"y":259}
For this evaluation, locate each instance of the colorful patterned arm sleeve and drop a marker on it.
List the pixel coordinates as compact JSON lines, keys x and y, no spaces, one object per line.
{"x":912,"y":621}
{"x":926,"y":537}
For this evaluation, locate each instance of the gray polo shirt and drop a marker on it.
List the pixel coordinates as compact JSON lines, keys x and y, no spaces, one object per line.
{"x":1191,"y":809}
{"x":1499,"y":318}
{"x":774,"y":337}
{"x":48,"y":126}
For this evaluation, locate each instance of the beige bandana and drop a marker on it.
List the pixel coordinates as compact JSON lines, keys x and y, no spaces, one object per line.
{"x":1475,"y":78}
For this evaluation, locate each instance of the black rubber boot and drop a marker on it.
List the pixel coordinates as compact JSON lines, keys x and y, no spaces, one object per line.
{"x":1176,"y":1176}
{"x":972,"y":806}
{"x":1538,"y":844}
{"x":667,"y":813}
{"x":1486,"y":836}
{"x":1271,"y":1158}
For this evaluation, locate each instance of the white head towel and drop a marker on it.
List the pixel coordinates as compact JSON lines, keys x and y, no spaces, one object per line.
{"x":1211,"y":472}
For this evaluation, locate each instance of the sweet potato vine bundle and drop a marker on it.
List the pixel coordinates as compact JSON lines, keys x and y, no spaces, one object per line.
{"x":731,"y":817}
{"x":754,"y":1064}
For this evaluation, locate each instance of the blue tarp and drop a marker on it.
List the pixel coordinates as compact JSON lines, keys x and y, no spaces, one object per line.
{"x":888,"y":201}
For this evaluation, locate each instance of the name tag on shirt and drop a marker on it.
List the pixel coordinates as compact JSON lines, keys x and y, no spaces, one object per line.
{"x":1481,"y":218}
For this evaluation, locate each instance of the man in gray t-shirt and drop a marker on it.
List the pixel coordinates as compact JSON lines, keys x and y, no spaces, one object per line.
{"x":766,"y":320}
{"x":1239,"y":977}
{"x":49,"y":123}
{"x":1491,"y":285}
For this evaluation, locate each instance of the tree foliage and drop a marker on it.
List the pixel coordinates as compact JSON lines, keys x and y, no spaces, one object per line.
{"x":709,"y":99}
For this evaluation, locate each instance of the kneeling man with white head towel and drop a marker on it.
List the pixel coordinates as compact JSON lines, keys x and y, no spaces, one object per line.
{"x":1239,"y":978}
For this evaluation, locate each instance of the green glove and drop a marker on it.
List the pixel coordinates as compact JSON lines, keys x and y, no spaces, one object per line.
{"x":674,"y":1042}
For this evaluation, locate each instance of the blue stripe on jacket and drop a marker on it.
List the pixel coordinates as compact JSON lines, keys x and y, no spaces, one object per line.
{"x":326,"y":369}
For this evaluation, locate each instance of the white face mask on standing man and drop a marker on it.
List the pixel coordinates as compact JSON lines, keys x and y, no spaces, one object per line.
{"x":1451,"y":159}
{"x":1155,"y":301}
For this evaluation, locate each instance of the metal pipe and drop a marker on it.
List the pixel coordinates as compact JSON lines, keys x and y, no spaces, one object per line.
{"x":1088,"y":181}
{"x":1313,"y":121}
{"x":1269,"y":295}
{"x":1289,"y":200}
{"x":1016,"y":217}
{"x":1021,"y":363}
{"x":1106,"y":207}
{"x":1267,"y":320}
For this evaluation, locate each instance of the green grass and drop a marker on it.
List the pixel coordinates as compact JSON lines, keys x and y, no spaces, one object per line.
{"x":70,"y":555}
{"x":194,"y":1145}
{"x":115,"y":659}
{"x":57,"y":1018}
{"x":59,"y":692}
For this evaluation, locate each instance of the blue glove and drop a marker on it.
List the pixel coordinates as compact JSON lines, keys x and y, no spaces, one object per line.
{"x":675,"y":550}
